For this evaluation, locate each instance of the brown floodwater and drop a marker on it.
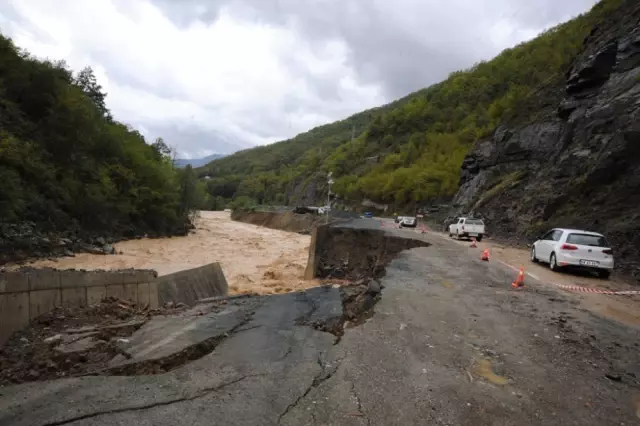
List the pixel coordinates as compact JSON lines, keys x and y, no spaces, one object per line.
{"x":253,"y":258}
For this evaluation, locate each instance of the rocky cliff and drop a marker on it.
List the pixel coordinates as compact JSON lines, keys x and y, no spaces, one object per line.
{"x":571,"y":155}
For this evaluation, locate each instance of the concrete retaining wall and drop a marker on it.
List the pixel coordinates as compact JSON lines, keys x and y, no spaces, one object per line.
{"x":29,"y":293}
{"x":25,"y":295}
{"x":193,"y":284}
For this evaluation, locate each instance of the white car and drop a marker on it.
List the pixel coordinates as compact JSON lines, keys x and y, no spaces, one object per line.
{"x":408,"y":221}
{"x":467,"y":227}
{"x":574,"y":248}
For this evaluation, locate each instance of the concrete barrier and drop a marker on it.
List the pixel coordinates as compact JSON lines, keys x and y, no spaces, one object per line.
{"x":193,"y":284}
{"x":318,"y":236}
{"x":28,"y":293}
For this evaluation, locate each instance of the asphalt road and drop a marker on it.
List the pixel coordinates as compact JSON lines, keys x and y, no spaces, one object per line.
{"x":450,"y":344}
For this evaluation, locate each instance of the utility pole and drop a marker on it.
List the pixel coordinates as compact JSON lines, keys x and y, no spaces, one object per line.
{"x":328,"y":207}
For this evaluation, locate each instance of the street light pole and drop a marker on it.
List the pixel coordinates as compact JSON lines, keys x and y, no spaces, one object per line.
{"x":328,"y":207}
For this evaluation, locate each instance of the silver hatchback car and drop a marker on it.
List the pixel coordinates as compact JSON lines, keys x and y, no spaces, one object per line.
{"x":576,"y":249}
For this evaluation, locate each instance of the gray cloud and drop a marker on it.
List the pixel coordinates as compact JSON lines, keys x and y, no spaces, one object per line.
{"x":200,"y":141}
{"x":401,"y":55}
{"x":221,"y":75}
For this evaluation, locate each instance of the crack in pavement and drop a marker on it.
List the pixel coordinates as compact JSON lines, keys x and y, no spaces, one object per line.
{"x":319,"y":378}
{"x":248,"y":328}
{"x":200,"y":394}
{"x":286,"y":354}
{"x":359,"y":402}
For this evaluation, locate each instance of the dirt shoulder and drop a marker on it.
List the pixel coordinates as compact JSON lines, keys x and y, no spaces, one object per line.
{"x":624,"y":309}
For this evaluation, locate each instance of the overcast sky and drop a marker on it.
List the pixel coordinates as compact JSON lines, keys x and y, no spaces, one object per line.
{"x":220,"y":75}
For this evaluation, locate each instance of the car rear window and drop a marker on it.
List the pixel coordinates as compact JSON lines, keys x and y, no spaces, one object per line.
{"x":473,"y":222}
{"x":587,"y":240}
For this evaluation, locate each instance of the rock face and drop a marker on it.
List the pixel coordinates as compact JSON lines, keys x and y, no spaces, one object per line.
{"x":577,"y":164}
{"x":309,"y":191}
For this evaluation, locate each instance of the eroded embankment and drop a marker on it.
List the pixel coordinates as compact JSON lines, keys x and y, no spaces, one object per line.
{"x":116,"y":338}
{"x":354,"y":254}
{"x":287,"y":221}
{"x":358,"y":257}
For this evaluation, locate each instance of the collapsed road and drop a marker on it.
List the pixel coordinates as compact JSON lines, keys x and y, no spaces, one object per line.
{"x":447,"y":343}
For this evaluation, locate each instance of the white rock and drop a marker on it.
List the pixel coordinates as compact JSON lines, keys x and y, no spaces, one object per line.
{"x":53,"y":339}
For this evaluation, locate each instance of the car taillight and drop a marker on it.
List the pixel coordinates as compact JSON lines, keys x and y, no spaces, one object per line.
{"x":607,"y":251}
{"x":569,"y":247}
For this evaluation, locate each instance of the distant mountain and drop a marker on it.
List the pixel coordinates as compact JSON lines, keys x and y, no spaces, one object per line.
{"x":196,"y":162}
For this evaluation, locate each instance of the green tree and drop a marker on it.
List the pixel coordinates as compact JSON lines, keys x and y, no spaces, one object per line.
{"x":87,"y":82}
{"x":190,"y":197}
{"x":65,"y":164}
{"x":162,"y":150}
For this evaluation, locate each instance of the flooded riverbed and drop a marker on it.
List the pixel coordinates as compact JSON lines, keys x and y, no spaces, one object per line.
{"x":253,"y":258}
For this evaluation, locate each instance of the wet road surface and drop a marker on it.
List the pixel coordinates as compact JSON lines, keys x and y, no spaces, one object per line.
{"x":450,"y":344}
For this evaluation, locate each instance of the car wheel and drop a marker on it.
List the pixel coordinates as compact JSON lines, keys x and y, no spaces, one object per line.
{"x":534,"y":259}
{"x":479,"y":238}
{"x":553,"y":264}
{"x":604,"y":274}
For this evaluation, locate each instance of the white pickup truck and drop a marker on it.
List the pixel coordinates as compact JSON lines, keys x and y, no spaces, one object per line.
{"x":466,"y":227}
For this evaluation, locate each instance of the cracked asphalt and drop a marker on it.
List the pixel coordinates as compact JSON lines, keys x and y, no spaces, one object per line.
{"x":450,"y":344}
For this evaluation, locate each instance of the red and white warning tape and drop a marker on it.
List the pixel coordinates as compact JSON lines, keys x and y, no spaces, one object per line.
{"x":596,"y":290}
{"x":577,"y":288}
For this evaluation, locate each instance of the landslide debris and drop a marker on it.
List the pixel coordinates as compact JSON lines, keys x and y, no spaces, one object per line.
{"x":70,"y":342}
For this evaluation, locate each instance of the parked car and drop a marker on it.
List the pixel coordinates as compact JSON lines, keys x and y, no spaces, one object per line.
{"x":303,"y":210}
{"x":408,"y":222}
{"x":574,"y":248}
{"x":467,"y":227}
{"x":398,"y":219}
{"x":368,"y":214}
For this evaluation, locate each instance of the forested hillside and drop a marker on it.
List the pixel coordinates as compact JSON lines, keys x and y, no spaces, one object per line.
{"x":67,"y":167}
{"x":410,"y":151}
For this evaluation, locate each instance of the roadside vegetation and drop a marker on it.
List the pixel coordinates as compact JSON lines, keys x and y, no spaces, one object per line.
{"x":408,"y":151}
{"x":66,"y":164}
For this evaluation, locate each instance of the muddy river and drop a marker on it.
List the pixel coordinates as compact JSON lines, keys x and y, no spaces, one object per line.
{"x":253,"y":258}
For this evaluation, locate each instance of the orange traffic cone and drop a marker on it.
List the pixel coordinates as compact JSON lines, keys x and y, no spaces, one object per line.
{"x":424,"y":230}
{"x":519,"y":282}
{"x":485,"y":255}
{"x":473,"y":242}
